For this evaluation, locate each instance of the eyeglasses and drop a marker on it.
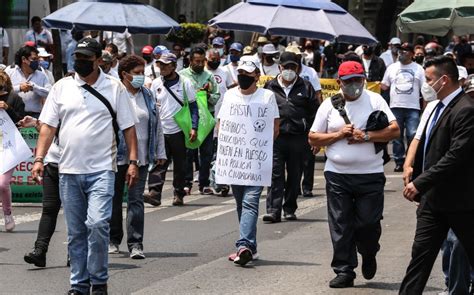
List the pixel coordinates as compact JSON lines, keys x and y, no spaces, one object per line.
{"x":247,"y":63}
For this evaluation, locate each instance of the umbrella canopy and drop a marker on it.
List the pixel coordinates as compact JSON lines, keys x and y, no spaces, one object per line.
{"x":316,"y":19}
{"x":438,"y":17}
{"x":110,"y":15}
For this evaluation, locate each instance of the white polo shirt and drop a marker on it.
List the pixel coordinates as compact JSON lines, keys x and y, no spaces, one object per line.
{"x":86,"y":136}
{"x":168,"y":106}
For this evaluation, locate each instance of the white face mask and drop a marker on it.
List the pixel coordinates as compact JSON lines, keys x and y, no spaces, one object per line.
{"x":288,"y":75}
{"x":428,"y":92}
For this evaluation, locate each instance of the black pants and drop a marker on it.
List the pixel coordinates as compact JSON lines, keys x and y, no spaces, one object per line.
{"x":206,"y":150}
{"x":308,"y":171}
{"x":288,"y":153}
{"x":51,"y":206}
{"x":175,"y":151}
{"x":355,"y":208}
{"x":431,"y":229}
{"x":116,"y":229}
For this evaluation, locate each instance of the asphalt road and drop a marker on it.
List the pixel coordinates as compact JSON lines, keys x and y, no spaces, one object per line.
{"x":187,"y":247}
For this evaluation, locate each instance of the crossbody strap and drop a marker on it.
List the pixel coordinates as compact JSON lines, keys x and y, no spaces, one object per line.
{"x":107,"y":105}
{"x":173,"y":94}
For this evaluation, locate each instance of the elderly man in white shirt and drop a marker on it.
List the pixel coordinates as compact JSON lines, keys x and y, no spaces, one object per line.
{"x":31,"y":84}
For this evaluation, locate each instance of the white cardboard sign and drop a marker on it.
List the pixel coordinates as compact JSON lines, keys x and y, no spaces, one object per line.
{"x":245,"y":148}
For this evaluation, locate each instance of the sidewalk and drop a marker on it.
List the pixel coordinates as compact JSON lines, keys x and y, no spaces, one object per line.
{"x":299,"y":263}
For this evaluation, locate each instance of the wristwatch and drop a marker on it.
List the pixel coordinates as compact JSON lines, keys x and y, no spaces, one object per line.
{"x":134,"y":162}
{"x":366,"y":136}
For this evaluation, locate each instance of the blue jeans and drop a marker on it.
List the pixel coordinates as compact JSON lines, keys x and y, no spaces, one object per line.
{"x":247,"y":199}
{"x":87,"y":201}
{"x":408,"y":120}
{"x":457,"y":271}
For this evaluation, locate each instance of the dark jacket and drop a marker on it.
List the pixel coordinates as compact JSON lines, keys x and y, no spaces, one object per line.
{"x":16,"y":109}
{"x":376,"y":69}
{"x":297,"y":111}
{"x":447,"y":183}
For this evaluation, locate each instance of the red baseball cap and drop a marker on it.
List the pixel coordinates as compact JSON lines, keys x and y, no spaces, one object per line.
{"x":351,"y":69}
{"x":147,"y":50}
{"x":30,"y":43}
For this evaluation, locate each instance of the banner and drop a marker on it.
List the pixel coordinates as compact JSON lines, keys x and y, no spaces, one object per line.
{"x":13,"y":148}
{"x":24,"y":188}
{"x":245,"y":145}
{"x":329,"y":87}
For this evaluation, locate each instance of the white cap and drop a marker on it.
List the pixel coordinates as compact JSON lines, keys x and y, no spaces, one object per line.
{"x":269,"y":49}
{"x":43,"y":53}
{"x":248,"y":63}
{"x":395,"y":41}
{"x":462,"y":72}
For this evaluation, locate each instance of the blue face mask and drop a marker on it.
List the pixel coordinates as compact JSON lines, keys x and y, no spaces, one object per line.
{"x":137,"y":81}
{"x":34,"y":65}
{"x":44,"y":64}
{"x":234,"y":58}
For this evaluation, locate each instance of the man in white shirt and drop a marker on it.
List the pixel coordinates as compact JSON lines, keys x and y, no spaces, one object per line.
{"x":269,"y":67}
{"x":390,"y":56}
{"x":4,"y":46}
{"x":354,"y":173}
{"x":28,"y":81}
{"x":45,"y":63}
{"x":124,"y":42}
{"x":87,"y":164}
{"x":40,"y":36}
{"x":222,"y":77}
{"x":152,"y":71}
{"x":171,"y":91}
{"x":404,"y":79}
{"x":235,"y":52}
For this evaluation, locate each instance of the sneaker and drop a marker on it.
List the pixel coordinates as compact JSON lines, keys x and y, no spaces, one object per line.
{"x":177,"y":201}
{"x":398,"y":168}
{"x":369,"y":267}
{"x":9,"y":223}
{"x":244,"y":256}
{"x":151,"y":199}
{"x":99,"y":289}
{"x":137,"y":254}
{"x":114,"y":249}
{"x":187,"y":190}
{"x":342,"y":281}
{"x":290,"y":216}
{"x":37,"y":257}
{"x":206,"y":191}
{"x":232,"y":256}
{"x":74,"y":292}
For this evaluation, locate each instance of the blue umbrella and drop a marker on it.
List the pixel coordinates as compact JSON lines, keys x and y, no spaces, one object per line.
{"x":111,"y":15}
{"x":315,"y":19}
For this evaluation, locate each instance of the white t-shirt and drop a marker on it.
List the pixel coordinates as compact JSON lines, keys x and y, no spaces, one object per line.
{"x":272,"y":70}
{"x":168,"y":106}
{"x":387,"y":57}
{"x":310,"y":74}
{"x":232,"y":72}
{"x":121,"y":40}
{"x":149,"y":71}
{"x":405,"y":83}
{"x":3,"y":42}
{"x":261,"y":96}
{"x":367,"y":63}
{"x":224,"y":80}
{"x":86,"y":136}
{"x":45,"y":37}
{"x":354,"y":158}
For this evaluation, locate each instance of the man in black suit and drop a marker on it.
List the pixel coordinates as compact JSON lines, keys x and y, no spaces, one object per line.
{"x":443,"y":173}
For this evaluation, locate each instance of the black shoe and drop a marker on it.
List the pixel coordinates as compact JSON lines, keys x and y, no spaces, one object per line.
{"x":178,"y":201}
{"x":36,"y":257}
{"x":342,"y":281}
{"x":290,"y":216}
{"x":151,"y":199}
{"x":369,"y":267}
{"x":271,"y":218}
{"x":74,"y":292}
{"x":398,"y":168}
{"x":308,"y":194}
{"x":99,"y":289}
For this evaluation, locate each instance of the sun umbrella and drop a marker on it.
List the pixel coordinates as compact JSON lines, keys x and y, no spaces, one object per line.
{"x":111,"y":15}
{"x":316,"y":19}
{"x":438,"y":17}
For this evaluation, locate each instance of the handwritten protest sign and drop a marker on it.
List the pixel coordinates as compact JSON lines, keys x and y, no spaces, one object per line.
{"x":245,"y":149}
{"x":13,"y":149}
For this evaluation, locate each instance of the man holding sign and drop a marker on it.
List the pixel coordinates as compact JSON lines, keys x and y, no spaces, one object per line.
{"x":248,"y":124}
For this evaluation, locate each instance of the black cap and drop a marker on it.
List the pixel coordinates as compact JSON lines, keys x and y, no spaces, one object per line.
{"x":89,"y":47}
{"x":407,"y":47}
{"x":288,"y":58}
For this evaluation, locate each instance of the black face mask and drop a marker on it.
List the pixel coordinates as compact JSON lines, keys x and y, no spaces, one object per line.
{"x":197,"y":69}
{"x":148,"y":58}
{"x":213,"y":64}
{"x":83,"y":67}
{"x":245,"y":81}
{"x":419,"y":59}
{"x":368,"y":51}
{"x":269,"y":59}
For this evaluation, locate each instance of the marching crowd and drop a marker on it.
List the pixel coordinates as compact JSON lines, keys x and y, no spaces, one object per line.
{"x":114,"y":121}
